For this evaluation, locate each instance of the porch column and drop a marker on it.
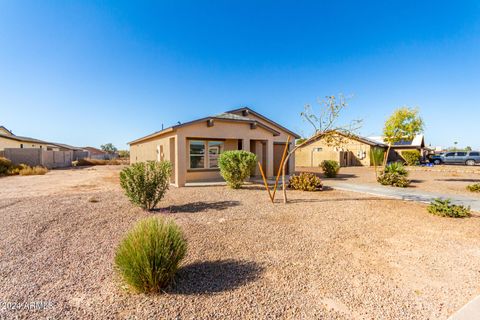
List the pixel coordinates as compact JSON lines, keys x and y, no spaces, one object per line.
{"x":269,"y":159}
{"x":246,"y":144}
{"x":181,"y":161}
{"x":291,"y":160}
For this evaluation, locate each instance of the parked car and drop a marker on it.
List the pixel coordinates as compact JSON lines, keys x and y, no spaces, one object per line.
{"x":470,"y":158}
{"x":435,"y":158}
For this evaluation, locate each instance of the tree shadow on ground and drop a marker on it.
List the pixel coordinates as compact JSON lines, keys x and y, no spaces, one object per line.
{"x":215,"y":276}
{"x":200,"y":206}
{"x":458,"y":180}
{"x":340,"y":176}
{"x":417,"y":181}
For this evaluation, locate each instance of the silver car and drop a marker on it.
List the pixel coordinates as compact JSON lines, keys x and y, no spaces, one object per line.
{"x":470,"y":158}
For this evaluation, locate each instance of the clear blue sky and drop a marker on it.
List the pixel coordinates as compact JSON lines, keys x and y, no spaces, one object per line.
{"x":91,"y":72}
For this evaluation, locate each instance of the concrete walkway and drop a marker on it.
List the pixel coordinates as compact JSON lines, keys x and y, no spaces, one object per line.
{"x":471,"y":311}
{"x":406,"y":194}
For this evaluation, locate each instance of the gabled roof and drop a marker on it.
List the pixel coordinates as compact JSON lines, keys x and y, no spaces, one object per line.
{"x":23,"y":139}
{"x":225,"y":116}
{"x":368,"y":141}
{"x":3,"y":128}
{"x":247,"y":110}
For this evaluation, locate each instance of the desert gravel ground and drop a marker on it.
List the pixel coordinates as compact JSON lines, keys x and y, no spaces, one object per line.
{"x":443,"y":179}
{"x":326,"y":255}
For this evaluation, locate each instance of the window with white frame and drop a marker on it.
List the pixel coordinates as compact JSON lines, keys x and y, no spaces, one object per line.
{"x":203,"y":154}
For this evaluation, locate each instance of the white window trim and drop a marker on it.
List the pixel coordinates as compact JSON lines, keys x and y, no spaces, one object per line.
{"x":206,"y":155}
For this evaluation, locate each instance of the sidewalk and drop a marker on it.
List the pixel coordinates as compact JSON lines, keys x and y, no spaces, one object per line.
{"x":406,"y":194}
{"x":471,"y":311}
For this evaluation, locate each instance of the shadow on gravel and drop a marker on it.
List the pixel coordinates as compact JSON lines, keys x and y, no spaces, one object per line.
{"x":200,"y":206}
{"x":339,"y":199}
{"x":458,"y":180}
{"x":215,"y":276}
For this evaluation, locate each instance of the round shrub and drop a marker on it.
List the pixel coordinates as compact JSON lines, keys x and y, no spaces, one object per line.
{"x":306,"y":182}
{"x":330,"y":168}
{"x":236,"y":166}
{"x":145,"y":183}
{"x":150,"y":254}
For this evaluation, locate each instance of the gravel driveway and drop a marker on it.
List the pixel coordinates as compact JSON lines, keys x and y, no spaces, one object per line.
{"x":326,"y":255}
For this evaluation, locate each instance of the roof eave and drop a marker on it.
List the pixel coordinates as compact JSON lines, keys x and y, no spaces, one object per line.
{"x":295,"y":135}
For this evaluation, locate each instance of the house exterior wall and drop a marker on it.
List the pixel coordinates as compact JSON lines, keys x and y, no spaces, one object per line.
{"x":149,"y":150}
{"x":10,"y":143}
{"x":308,"y":156}
{"x":220,"y":130}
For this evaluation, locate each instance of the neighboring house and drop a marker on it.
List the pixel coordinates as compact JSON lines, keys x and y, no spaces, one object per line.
{"x":64,"y":147}
{"x":417,"y":143}
{"x":348,"y":150}
{"x":193,"y":147}
{"x":95,"y":153}
{"x":9,"y":140}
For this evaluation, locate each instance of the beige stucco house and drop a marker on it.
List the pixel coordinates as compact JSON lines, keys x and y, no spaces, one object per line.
{"x":347,"y":150}
{"x":9,"y":140}
{"x":193,"y":147}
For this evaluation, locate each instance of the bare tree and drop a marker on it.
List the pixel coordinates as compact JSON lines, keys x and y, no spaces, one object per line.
{"x":324,"y":122}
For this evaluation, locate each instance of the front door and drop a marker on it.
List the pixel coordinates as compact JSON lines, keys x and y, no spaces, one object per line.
{"x":278,"y":149}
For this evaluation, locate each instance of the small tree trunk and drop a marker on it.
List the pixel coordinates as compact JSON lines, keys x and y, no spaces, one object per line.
{"x":385,"y":158}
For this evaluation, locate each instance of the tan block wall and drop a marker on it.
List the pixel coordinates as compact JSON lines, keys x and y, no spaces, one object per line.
{"x":306,"y":157}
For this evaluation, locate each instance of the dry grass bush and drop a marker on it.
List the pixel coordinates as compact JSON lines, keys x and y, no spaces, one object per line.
{"x":32,"y":171}
{"x":98,"y":162}
{"x":150,"y":254}
{"x":305,"y":181}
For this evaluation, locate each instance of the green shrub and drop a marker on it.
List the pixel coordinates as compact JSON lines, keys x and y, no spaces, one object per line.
{"x":396,"y":167}
{"x":306,"y":182}
{"x":474,"y":187}
{"x":394,"y":175}
{"x":411,"y":157}
{"x":445,"y":208}
{"x":236,"y":166}
{"x":150,"y":254}
{"x":330,"y":168}
{"x":377,"y":156}
{"x":145,"y":183}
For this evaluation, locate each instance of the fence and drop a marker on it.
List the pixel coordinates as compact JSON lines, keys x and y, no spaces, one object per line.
{"x":45,"y":158}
